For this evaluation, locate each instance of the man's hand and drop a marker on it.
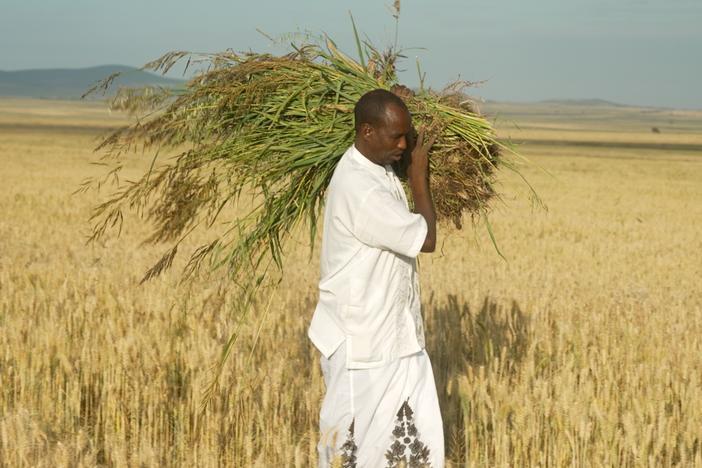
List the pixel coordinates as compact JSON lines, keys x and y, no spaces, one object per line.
{"x":419,"y":160}
{"x":418,"y":175}
{"x":402,"y":91}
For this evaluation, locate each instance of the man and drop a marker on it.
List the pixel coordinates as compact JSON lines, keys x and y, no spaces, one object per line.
{"x":381,"y":407}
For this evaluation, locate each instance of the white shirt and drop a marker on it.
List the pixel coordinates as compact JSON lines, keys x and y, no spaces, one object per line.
{"x":368,"y":289}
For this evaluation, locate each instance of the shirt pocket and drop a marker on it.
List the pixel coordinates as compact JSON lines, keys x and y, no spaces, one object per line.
{"x":361,"y":351}
{"x":353,"y":316}
{"x":356,"y":289}
{"x":361,"y":346}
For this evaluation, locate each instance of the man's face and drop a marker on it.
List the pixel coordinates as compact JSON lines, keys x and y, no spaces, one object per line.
{"x":388,"y":140}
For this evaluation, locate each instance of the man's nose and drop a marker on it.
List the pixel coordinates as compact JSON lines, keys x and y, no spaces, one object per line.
{"x":403,"y":143}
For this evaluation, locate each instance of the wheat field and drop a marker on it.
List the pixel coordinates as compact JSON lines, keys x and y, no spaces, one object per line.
{"x":583,"y":348}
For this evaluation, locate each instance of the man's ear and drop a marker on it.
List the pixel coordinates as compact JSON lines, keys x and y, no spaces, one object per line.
{"x":366,"y":130}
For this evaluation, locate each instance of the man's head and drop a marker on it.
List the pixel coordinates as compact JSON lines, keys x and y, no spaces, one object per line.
{"x":383,"y":125}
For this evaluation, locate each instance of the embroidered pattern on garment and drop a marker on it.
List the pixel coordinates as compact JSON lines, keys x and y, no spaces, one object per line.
{"x":407,"y":450}
{"x":400,"y":301}
{"x":348,"y":450}
{"x":416,"y":308}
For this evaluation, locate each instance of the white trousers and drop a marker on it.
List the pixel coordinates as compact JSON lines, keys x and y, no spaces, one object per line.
{"x":382,"y":417}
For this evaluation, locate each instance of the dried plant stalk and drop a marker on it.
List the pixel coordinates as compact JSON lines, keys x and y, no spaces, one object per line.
{"x":277,"y":126}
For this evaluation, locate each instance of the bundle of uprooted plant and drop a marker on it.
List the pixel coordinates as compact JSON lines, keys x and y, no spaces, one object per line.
{"x":276,"y":126}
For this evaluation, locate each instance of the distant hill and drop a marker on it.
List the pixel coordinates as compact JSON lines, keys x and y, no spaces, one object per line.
{"x":584,"y":102}
{"x":72,"y":83}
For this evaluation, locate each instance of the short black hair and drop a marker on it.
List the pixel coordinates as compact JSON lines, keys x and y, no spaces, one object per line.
{"x":371,"y":107}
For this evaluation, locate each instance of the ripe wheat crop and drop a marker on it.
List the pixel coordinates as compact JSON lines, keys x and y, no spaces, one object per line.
{"x":583,"y":349}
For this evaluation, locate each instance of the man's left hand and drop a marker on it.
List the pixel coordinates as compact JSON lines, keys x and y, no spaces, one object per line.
{"x":402,"y":91}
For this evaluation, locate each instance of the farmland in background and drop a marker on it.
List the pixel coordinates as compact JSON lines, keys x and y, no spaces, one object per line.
{"x":584,"y":348}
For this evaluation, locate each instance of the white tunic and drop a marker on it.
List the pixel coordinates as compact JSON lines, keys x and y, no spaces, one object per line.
{"x":368,"y":290}
{"x":381,"y":408}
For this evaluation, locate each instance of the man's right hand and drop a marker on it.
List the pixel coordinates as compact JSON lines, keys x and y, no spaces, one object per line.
{"x":418,"y":175}
{"x":418,"y":170}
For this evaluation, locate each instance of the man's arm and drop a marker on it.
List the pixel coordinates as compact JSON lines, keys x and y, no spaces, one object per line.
{"x":418,"y":178}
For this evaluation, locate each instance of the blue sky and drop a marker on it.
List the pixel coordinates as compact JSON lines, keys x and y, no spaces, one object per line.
{"x":646,"y":52}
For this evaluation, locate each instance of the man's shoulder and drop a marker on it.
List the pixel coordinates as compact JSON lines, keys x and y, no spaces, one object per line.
{"x":350,"y":179}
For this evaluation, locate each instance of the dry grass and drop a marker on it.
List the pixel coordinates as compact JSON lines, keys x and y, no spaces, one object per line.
{"x":583,"y":350}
